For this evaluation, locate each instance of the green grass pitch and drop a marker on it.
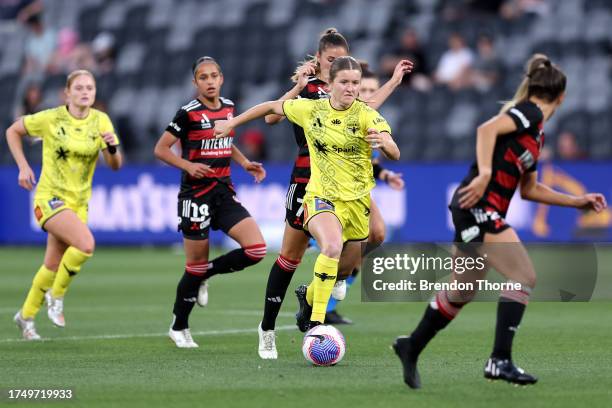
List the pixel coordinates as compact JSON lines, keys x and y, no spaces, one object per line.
{"x":114,"y":351}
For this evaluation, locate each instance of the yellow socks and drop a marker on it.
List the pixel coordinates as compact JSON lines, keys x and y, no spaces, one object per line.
{"x":319,"y":291}
{"x":42,"y":281}
{"x":70,"y":265}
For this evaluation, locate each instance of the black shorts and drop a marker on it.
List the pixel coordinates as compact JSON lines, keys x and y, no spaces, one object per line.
{"x":294,"y":204}
{"x":471,"y":225}
{"x":218,"y":209}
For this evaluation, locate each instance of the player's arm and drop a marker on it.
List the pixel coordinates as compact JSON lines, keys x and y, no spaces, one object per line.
{"x":303,"y":72}
{"x":224,"y":127}
{"x":112,"y":154}
{"x":533,"y":190}
{"x":486,"y":137}
{"x":163,"y":151}
{"x":384,"y":142}
{"x":393,"y":179}
{"x":402,"y":68}
{"x":14,"y":135}
{"x":256,"y":169}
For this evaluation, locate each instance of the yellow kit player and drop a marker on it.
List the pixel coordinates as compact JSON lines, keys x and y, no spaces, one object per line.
{"x":341,"y":132}
{"x":72,"y":137}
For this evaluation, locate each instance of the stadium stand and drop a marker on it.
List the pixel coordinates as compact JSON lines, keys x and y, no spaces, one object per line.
{"x":258,"y":44}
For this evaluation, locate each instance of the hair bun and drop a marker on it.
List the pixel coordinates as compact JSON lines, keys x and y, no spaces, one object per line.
{"x":331,"y":30}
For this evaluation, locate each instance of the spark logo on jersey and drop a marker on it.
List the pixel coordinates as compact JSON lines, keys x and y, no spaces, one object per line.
{"x":350,"y":150}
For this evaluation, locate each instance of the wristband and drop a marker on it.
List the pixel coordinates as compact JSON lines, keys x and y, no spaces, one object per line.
{"x":377,"y":169}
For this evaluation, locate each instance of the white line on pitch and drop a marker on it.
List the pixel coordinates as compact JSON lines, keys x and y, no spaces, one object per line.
{"x":144,"y":335}
{"x":86,"y":309}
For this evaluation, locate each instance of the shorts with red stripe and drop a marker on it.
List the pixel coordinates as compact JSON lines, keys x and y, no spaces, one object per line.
{"x":218,"y":209}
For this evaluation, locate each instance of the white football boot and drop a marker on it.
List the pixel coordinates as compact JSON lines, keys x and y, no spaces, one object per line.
{"x":339,"y":290}
{"x":202,"y":299}
{"x":182,"y":338}
{"x":28,"y":331}
{"x":267,"y":344}
{"x":55,"y":309}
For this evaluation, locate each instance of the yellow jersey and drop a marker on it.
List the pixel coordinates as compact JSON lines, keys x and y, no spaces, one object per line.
{"x":340,"y":157}
{"x":70,"y":151}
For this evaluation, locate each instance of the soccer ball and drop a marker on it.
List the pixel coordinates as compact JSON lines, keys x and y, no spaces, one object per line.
{"x":323,"y":345}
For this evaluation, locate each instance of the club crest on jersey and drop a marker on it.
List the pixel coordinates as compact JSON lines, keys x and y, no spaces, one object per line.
{"x":205,"y":122}
{"x":55,"y":203}
{"x":322,"y":204}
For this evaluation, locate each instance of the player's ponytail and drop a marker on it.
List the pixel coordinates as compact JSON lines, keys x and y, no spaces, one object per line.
{"x":329,"y":38}
{"x":543,"y":79}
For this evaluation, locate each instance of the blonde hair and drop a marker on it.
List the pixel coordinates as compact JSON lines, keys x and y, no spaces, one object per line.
{"x":542,"y":79}
{"x":329,"y":38}
{"x":71,"y":76}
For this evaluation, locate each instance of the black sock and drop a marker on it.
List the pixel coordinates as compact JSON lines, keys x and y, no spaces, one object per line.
{"x":236,"y":260}
{"x":432,"y":322}
{"x":278,"y":282}
{"x":509,"y":315}
{"x":186,"y":294}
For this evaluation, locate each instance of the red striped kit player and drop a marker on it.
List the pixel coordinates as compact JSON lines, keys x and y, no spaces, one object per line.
{"x":507,"y":150}
{"x":207,"y":198}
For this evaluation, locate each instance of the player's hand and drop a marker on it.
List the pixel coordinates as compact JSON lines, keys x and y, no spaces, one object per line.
{"x":198,"y":170}
{"x":377,"y":140}
{"x":26,"y":178}
{"x":256,"y":169}
{"x":473,"y":192}
{"x":305,"y":71}
{"x":394,"y":180}
{"x":222,"y":128}
{"x":109,"y":138}
{"x":402,"y":68}
{"x":592,"y":201}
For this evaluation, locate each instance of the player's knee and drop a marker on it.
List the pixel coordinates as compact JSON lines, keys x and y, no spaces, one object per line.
{"x":255,"y":253}
{"x":529,"y":281}
{"x":86,"y":244}
{"x":332,"y":248}
{"x":377,"y":235}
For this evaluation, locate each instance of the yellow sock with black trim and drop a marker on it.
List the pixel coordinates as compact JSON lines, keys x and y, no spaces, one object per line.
{"x":310,"y":293}
{"x":41,"y":283}
{"x":325,"y":273}
{"x":70,"y":265}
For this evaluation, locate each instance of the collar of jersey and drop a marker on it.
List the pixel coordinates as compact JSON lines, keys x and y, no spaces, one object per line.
{"x":71,"y":116}
{"x":341,"y":110}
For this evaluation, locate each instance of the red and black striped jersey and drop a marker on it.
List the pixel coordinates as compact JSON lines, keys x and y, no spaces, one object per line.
{"x":515,"y":153}
{"x":315,"y":89}
{"x":194,"y":125}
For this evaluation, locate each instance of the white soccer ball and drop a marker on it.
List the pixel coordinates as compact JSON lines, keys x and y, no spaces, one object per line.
{"x":323,"y":345}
